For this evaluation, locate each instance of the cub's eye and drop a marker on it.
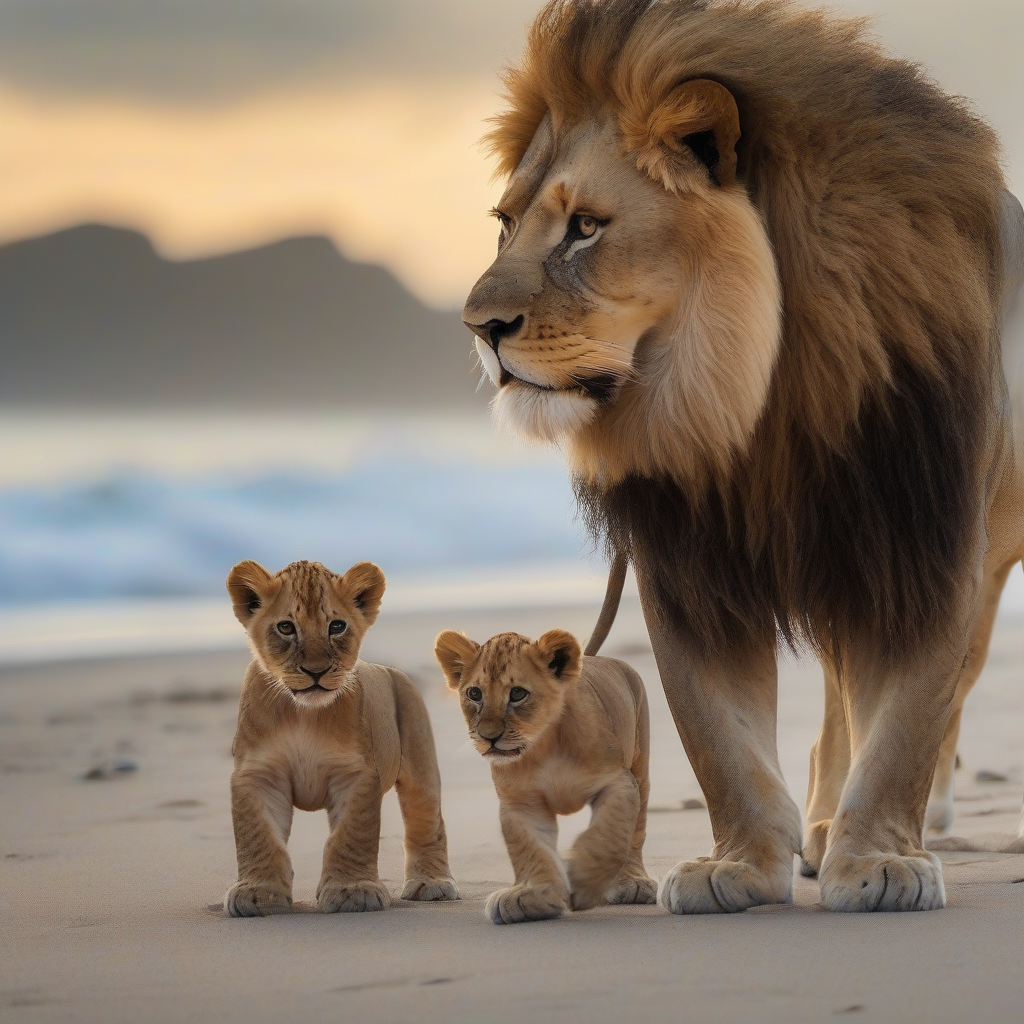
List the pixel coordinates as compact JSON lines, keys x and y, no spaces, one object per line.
{"x":253,"y":606}
{"x":475,"y":694}
{"x":585,"y":225}
{"x":286,"y":628}
{"x":337,"y":627}
{"x":517,"y":694}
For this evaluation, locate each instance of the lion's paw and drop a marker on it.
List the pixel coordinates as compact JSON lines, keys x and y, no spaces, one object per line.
{"x":352,"y":897}
{"x":882,"y":881}
{"x":524,"y":903}
{"x":428,"y":890}
{"x":813,"y":852}
{"x":722,"y":887}
{"x":633,"y":890}
{"x":247,"y":899}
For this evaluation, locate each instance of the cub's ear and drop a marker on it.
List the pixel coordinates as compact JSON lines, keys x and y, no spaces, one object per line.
{"x":560,"y":652}
{"x":698,"y":119}
{"x":454,"y":651}
{"x":248,"y":584}
{"x":364,"y":585}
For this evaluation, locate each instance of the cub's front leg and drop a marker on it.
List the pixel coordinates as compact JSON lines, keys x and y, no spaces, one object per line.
{"x":261,"y":812}
{"x":600,"y":853}
{"x":541,"y":890}
{"x":349,"y":882}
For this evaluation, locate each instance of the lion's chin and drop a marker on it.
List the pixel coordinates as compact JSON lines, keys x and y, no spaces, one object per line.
{"x":537,"y":414}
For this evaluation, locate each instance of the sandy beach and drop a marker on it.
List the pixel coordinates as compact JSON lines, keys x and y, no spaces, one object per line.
{"x":111,"y":888}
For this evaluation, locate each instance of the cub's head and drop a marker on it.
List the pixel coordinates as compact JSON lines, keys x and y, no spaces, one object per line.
{"x":633,"y":310}
{"x":511,"y":689}
{"x":305,"y":623}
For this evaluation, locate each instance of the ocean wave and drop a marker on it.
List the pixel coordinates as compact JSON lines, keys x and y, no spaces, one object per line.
{"x":134,"y":534}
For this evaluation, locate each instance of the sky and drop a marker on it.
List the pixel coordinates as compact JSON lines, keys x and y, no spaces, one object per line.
{"x":214,"y":125}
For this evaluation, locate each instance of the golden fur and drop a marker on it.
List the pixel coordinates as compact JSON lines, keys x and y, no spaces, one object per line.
{"x":780,"y":261}
{"x":560,"y":731}
{"x":318,"y":728}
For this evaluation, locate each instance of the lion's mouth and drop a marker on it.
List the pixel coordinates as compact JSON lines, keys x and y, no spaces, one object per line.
{"x":503,"y":755}
{"x":600,"y":389}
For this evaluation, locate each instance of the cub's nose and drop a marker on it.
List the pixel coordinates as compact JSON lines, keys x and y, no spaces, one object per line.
{"x":496,"y":331}
{"x":316,"y":676}
{"x":492,"y":739}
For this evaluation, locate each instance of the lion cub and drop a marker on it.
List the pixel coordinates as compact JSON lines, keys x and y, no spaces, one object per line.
{"x":317,"y":728}
{"x":560,"y":731}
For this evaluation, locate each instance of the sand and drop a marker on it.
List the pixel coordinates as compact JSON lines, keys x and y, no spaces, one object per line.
{"x":110,"y":889}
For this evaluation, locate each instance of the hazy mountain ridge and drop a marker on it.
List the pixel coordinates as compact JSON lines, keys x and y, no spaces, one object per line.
{"x":93,"y":316}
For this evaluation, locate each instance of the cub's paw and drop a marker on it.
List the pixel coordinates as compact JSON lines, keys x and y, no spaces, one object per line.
{"x":633,"y":890}
{"x":524,"y":903}
{"x":352,"y":898}
{"x":813,"y":852}
{"x":428,"y":890}
{"x":723,"y":887}
{"x":247,"y":899}
{"x":881,"y":881}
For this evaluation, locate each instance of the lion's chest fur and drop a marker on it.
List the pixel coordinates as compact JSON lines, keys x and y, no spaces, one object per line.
{"x":565,"y":784}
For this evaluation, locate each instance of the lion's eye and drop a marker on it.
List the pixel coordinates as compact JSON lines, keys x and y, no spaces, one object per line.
{"x":337,"y":627}
{"x":517,"y":694}
{"x":253,"y":605}
{"x":286,"y":628}
{"x":475,"y":694}
{"x":585,"y":225}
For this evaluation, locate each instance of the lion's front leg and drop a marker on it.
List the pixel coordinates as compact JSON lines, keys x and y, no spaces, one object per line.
{"x":875,"y":857}
{"x":349,"y":882}
{"x":541,"y":889}
{"x":726,"y":719}
{"x":261,"y":812}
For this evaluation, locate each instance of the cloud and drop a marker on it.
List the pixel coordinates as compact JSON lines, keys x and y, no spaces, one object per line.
{"x":199,"y":49}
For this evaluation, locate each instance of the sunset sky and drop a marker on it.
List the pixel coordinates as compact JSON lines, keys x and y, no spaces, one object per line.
{"x":214,"y":125}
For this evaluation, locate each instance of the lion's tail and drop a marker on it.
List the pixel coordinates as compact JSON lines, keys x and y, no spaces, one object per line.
{"x":1012,"y":224}
{"x":612,"y":596}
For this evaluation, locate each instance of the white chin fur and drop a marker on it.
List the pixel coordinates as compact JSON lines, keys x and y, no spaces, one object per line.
{"x":541,"y":415}
{"x":490,"y":361}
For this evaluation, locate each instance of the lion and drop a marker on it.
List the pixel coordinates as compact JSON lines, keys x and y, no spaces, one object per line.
{"x":751,"y":277}
{"x":561,"y":731}
{"x":318,"y":728}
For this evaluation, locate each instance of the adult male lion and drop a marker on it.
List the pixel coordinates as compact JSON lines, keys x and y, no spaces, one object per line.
{"x":751,"y":277}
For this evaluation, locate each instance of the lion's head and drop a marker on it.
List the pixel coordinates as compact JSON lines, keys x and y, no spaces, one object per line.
{"x":512,"y":690}
{"x":306,"y":623}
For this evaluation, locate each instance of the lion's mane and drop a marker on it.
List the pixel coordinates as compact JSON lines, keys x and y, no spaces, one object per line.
{"x":860,"y":497}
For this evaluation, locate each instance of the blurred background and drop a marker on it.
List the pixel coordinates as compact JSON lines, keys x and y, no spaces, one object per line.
{"x":234,"y":239}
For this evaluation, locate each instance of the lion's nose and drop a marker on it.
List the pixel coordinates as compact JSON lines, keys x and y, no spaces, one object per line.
{"x":495,"y":331}
{"x":315,"y":675}
{"x":492,"y":739}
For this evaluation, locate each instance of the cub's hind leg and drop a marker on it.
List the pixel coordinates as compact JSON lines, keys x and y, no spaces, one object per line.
{"x":830,"y":763}
{"x":600,"y":852}
{"x":541,"y":889}
{"x":261,"y":813}
{"x":633,"y":884}
{"x":349,"y":882}
{"x":427,"y":875}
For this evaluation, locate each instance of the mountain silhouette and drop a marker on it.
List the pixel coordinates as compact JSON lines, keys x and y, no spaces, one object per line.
{"x":94,"y":317}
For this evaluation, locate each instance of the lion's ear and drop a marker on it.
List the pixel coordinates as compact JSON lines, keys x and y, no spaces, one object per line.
{"x":697,"y":119}
{"x":248,"y":584}
{"x":560,"y":652}
{"x":454,"y":651}
{"x":364,"y":585}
